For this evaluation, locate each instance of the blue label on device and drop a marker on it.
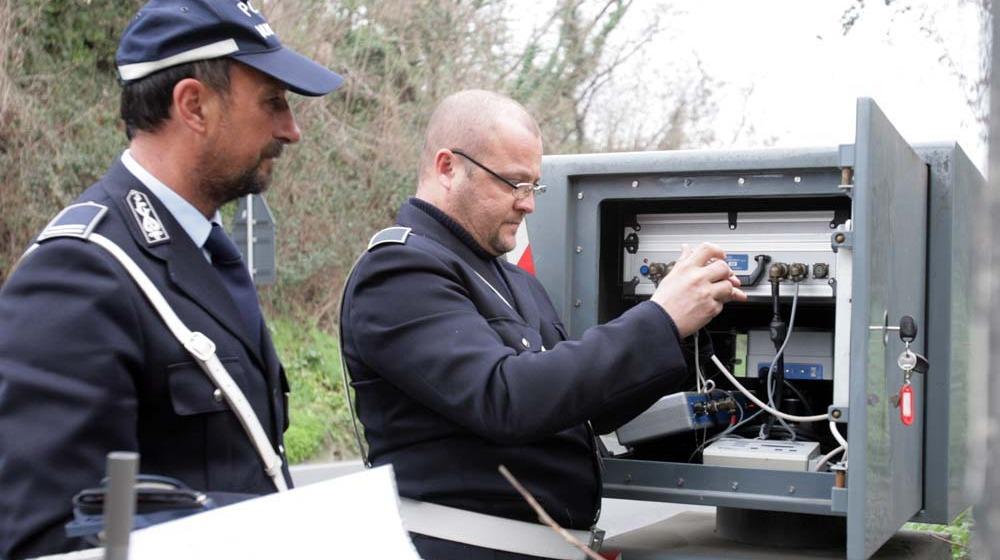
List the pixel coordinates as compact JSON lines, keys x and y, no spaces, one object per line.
{"x":738,"y":263}
{"x":795,"y":371}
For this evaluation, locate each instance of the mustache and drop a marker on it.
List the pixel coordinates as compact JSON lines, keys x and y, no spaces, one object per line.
{"x":274,"y":150}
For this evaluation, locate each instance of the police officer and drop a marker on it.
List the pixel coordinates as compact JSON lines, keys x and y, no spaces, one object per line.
{"x":87,"y":365}
{"x":460,"y":362}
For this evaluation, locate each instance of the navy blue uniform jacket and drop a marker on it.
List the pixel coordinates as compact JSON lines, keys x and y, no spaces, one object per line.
{"x":87,"y":367}
{"x":452,"y":382}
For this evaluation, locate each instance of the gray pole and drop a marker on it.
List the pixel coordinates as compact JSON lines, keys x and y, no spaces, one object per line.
{"x":986,"y":473}
{"x":119,"y":503}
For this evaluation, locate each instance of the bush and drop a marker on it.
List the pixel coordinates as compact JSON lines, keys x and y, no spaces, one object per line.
{"x":320,"y":420}
{"x":956,"y":534}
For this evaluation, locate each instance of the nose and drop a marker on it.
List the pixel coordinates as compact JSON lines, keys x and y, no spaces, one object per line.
{"x":286,"y":129}
{"x":526,"y":204}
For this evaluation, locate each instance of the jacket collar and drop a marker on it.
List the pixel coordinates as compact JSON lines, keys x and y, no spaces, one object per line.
{"x":413,"y":213}
{"x":187,"y":267}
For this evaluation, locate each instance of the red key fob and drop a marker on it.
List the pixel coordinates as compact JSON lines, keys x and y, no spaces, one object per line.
{"x":906,"y":404}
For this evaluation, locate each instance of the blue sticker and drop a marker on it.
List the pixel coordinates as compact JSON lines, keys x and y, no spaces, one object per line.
{"x":739,"y":263}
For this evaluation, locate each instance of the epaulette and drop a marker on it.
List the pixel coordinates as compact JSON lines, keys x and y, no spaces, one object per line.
{"x":395,"y":234}
{"x":77,"y":220}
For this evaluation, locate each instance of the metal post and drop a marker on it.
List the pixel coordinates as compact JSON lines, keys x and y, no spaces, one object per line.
{"x":985,"y":481}
{"x":119,"y":503}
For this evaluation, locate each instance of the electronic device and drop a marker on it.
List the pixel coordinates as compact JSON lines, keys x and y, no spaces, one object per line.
{"x":868,"y":234}
{"x":808,"y":356}
{"x":761,"y":454}
{"x":680,"y":412}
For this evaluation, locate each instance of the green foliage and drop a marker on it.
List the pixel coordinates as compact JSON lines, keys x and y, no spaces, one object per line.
{"x":957,"y":533}
{"x":59,"y":131}
{"x":319,"y":418}
{"x":76,"y":32}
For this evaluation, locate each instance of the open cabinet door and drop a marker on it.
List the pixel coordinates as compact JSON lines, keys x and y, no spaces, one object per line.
{"x":885,"y":476}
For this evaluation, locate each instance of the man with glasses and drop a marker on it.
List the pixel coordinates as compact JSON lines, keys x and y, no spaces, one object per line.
{"x":461,"y":364}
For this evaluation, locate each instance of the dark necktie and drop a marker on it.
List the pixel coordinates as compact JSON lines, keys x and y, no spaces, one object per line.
{"x":226,"y":259}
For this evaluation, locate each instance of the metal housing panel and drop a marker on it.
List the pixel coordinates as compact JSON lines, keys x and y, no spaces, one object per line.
{"x":889,"y":215}
{"x":899,"y":229}
{"x":955,"y":186}
{"x":790,"y":491}
{"x":564,"y":232}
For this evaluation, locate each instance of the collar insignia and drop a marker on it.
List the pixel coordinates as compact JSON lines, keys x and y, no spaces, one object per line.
{"x":145,"y":216}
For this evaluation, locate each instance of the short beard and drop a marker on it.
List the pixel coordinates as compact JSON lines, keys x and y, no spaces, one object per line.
{"x":222,"y":189}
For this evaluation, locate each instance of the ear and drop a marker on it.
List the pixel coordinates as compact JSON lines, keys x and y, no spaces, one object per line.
{"x":445,"y":168}
{"x":195,"y":105}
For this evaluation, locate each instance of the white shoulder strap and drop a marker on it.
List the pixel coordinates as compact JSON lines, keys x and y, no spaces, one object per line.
{"x":203,"y":351}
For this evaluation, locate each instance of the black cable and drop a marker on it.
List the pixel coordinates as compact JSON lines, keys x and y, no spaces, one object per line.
{"x":805,"y":403}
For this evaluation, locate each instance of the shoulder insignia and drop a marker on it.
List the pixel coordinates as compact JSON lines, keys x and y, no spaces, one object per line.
{"x":145,"y":215}
{"x":395,"y":234}
{"x":77,"y":220}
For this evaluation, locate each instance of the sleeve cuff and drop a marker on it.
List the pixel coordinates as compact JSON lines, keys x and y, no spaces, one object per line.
{"x":670,"y":320}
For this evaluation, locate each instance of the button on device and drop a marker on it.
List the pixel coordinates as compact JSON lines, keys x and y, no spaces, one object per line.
{"x":644,"y":270}
{"x":525,"y":342}
{"x":217,"y":395}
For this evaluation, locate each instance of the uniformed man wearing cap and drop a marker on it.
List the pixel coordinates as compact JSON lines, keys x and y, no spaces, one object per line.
{"x":460,"y":363}
{"x":87,"y":365}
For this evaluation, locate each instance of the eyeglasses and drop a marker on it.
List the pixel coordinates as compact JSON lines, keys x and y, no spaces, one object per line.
{"x":521,"y":190}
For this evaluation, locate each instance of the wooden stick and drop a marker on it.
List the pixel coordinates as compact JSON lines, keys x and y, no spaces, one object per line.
{"x":545,"y":518}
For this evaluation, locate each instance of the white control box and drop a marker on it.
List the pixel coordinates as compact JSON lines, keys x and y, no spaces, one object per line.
{"x":761,"y":454}
{"x":789,"y":237}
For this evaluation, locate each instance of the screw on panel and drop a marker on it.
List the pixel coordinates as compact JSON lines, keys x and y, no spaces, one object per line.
{"x":839,"y":238}
{"x":628,"y":479}
{"x":680,"y":482}
{"x":798,"y":179}
{"x":579,"y":196}
{"x":836,"y":414}
{"x":735,"y":486}
{"x":687,"y":182}
{"x":578,"y":303}
{"x":791,"y":489}
{"x":579,"y":249}
{"x":741,"y":180}
{"x":635,"y":184}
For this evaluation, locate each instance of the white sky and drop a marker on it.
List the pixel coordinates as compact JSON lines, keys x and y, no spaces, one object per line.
{"x":786,"y":75}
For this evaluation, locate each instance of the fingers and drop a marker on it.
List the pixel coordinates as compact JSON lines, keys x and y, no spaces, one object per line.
{"x":706,"y":252}
{"x":718,"y":270}
{"x":723,"y":291}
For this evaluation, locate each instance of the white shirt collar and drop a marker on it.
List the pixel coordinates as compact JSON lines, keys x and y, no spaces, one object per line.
{"x":191,"y":220}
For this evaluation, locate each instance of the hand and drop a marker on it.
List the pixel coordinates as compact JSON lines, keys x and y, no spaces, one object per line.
{"x":696,"y":289}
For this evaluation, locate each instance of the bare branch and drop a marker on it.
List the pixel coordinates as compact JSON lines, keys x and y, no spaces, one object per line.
{"x":545,"y":518}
